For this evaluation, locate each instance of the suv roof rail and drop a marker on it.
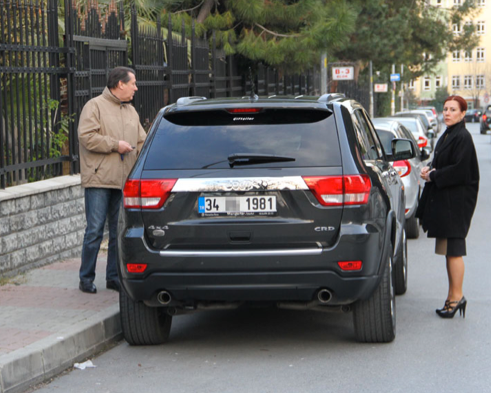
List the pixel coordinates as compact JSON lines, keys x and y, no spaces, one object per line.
{"x":189,"y":100}
{"x":330,"y":97}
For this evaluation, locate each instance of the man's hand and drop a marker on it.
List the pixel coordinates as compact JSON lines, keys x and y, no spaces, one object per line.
{"x":124,"y":147}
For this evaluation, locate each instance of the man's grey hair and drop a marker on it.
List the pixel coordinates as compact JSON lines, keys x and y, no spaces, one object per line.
{"x":119,"y":74}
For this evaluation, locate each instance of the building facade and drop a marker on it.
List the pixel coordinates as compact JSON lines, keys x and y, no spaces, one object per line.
{"x":467,"y":74}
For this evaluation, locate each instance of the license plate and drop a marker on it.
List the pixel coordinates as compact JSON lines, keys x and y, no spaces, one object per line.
{"x":243,"y":205}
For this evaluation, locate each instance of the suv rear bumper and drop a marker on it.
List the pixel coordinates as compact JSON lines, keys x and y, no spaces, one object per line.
{"x":187,"y":288}
{"x":194,"y":276}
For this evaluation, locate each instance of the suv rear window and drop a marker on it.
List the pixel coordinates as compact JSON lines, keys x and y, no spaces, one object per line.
{"x":194,"y":140}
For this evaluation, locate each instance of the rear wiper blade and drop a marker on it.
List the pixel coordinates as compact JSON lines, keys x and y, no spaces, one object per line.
{"x":255,"y":158}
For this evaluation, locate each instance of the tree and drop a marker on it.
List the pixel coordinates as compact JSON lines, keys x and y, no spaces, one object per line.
{"x":409,"y":32}
{"x":441,"y":95}
{"x":287,"y":34}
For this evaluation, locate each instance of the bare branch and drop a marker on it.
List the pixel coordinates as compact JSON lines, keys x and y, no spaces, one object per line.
{"x":191,"y":9}
{"x":276,"y":34}
{"x":205,"y":10}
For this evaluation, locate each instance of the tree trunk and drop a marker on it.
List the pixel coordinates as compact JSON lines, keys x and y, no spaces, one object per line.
{"x":205,"y":10}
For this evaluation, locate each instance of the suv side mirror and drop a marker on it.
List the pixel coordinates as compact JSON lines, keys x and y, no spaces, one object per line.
{"x":430,"y":134}
{"x":402,"y":149}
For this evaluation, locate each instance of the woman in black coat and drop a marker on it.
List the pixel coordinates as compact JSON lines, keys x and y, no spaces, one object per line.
{"x":449,"y":199}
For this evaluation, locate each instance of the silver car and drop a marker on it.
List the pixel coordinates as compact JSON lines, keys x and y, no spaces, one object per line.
{"x":415,"y":125}
{"x":430,"y":116}
{"x":409,"y":170}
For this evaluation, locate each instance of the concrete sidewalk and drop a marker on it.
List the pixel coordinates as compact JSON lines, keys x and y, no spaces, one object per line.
{"x":47,"y":324}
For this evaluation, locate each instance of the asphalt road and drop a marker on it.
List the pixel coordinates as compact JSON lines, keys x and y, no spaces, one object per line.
{"x":268,"y":350}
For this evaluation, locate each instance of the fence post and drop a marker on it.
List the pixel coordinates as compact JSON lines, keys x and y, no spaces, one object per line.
{"x":169,"y":59}
{"x":69,"y":48}
{"x":214,"y":65}
{"x":193,"y":58}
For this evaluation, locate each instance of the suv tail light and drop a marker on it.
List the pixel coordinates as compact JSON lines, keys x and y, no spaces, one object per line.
{"x":340,"y":190}
{"x":484,"y":117}
{"x":402,"y":167}
{"x":350,"y":265}
{"x":422,"y":141}
{"x":147,"y":194}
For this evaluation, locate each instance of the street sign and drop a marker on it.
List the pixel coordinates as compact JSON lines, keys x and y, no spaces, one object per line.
{"x":486,"y":98}
{"x":395,"y":77}
{"x":343,"y":73}
{"x":381,"y":87}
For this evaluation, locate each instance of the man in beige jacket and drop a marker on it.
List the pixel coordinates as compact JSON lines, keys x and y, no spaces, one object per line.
{"x":110,"y":136}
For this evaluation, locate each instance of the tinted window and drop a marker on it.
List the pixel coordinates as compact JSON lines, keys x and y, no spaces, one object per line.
{"x":364,"y":137}
{"x":386,"y":140}
{"x":177,"y":146}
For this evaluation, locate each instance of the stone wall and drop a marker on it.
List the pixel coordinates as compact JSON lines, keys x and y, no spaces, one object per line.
{"x":40,"y":223}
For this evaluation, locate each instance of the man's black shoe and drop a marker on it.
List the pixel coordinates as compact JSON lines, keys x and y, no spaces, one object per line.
{"x":113,"y":284}
{"x":87,"y":287}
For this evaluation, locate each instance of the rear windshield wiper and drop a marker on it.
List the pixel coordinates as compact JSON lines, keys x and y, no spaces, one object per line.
{"x":248,"y":158}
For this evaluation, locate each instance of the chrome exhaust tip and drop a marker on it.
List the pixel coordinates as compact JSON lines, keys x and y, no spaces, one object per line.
{"x":164,"y":298}
{"x":324,"y":295}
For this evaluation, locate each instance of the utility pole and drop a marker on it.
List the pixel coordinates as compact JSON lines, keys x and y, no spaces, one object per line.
{"x":393,"y":95}
{"x":402,"y":88}
{"x":371,"y":90}
{"x":324,"y":73}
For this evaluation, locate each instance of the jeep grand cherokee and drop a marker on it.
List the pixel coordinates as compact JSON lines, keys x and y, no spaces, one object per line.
{"x":284,"y":201}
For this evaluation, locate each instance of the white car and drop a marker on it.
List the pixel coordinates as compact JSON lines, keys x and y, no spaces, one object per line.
{"x":409,"y":170}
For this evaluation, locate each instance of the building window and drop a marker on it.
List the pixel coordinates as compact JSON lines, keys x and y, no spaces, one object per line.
{"x":426,"y":83}
{"x":457,"y":29}
{"x":438,"y":3}
{"x":456,"y":82}
{"x":481,"y":27}
{"x":456,"y":56}
{"x":481,"y":3}
{"x":468,"y":82}
{"x":480,"y":84}
{"x":457,"y":2}
{"x":467,"y":56}
{"x":480,"y":54}
{"x":411,"y":84}
{"x":438,"y":82}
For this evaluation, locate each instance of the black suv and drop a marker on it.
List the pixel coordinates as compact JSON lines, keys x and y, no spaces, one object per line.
{"x":283,"y":201}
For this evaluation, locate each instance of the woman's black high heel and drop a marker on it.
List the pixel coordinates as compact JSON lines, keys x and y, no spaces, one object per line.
{"x":445,"y":306}
{"x":450,"y":308}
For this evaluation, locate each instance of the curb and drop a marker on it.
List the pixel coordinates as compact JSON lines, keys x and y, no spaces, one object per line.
{"x":38,"y":362}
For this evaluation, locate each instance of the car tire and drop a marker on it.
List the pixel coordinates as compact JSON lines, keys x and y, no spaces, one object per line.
{"x":143,"y":325}
{"x":375,"y":318}
{"x":400,"y":267}
{"x":483,"y":130}
{"x":412,"y":227}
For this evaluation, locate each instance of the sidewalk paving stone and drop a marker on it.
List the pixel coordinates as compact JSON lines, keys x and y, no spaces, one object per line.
{"x":47,"y":324}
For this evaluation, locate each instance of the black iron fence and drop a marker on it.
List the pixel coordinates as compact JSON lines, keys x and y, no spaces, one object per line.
{"x":47,"y":76}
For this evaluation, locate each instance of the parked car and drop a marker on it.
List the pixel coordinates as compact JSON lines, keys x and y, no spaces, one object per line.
{"x":433,"y":120}
{"x":278,"y":201}
{"x":424,"y":119}
{"x":435,"y":114}
{"x":416,"y":127}
{"x":408,"y":170}
{"x":485,"y":122}
{"x":431,"y":108}
{"x":473,"y":115}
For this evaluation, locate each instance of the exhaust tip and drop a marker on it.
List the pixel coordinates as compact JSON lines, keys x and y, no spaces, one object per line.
{"x":324,"y":295}
{"x":164,"y":297}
